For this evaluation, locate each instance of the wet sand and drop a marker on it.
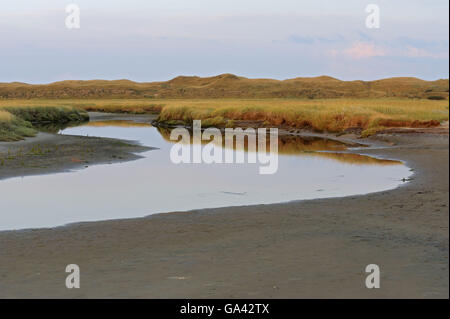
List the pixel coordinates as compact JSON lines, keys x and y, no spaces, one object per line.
{"x":305,"y":249}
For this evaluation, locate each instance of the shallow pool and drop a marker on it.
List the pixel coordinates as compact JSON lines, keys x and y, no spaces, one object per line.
{"x":308,"y":168}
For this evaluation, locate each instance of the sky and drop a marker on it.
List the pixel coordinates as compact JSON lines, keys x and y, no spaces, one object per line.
{"x":156,"y":40}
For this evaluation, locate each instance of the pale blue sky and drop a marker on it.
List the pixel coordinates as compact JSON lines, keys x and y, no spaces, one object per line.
{"x":160,"y":39}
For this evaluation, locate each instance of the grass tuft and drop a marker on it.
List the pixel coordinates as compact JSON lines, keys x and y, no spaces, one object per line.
{"x":16,"y":122}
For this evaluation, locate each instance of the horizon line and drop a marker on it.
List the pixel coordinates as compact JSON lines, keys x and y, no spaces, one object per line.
{"x":227,"y":74}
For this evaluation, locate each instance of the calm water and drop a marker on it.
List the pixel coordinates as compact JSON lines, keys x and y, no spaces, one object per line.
{"x":154,"y":184}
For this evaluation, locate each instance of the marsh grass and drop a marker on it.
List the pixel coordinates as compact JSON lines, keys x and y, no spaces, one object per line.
{"x":368,"y":115}
{"x":13,"y":128}
{"x":332,"y":115}
{"x":16,"y":121}
{"x":130,"y":106}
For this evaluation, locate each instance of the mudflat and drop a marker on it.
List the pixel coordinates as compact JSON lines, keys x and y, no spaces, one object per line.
{"x":304,"y":249}
{"x":50,"y":153}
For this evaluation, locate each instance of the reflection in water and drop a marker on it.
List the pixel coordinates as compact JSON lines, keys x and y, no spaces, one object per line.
{"x":355,"y":159}
{"x":287,"y":144}
{"x":305,"y":146}
{"x":117,"y":123}
{"x":308,"y":168}
{"x":57,"y":127}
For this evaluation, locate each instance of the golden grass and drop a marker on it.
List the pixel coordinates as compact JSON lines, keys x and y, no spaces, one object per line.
{"x":333,"y":115}
{"x":133,"y":106}
{"x":5,"y":116}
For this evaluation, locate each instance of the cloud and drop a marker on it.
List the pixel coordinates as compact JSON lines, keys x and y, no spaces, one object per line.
{"x":364,"y":36}
{"x":337,"y":38}
{"x":361,"y":50}
{"x":365,"y":50}
{"x":418,"y":43}
{"x":301,"y":40}
{"x":422,"y":53}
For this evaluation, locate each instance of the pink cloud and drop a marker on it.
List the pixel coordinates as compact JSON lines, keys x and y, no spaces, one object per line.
{"x":361,"y":50}
{"x":420,"y":53}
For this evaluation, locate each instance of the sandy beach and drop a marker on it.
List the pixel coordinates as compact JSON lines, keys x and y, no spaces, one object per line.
{"x":304,"y":249}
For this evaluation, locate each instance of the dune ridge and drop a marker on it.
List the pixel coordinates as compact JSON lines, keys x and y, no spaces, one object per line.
{"x":231,"y":86}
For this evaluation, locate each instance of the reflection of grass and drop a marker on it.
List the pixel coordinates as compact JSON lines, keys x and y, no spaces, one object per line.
{"x":305,"y":146}
{"x":118,"y":123}
{"x":287,"y":144}
{"x":355,"y":159}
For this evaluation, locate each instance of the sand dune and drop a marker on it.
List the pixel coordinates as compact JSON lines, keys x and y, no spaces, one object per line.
{"x":231,"y":86}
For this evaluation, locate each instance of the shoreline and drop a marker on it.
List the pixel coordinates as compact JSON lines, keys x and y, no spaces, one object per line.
{"x":111,"y":151}
{"x":294,"y":201}
{"x":301,"y":249}
{"x":49,"y":153}
{"x":51,"y":159}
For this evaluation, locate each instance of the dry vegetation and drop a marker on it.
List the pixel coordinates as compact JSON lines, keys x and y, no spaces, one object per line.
{"x":230,"y":86}
{"x":368,"y":115}
{"x":320,"y":104}
{"x":332,"y":115}
{"x":131,"y":106}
